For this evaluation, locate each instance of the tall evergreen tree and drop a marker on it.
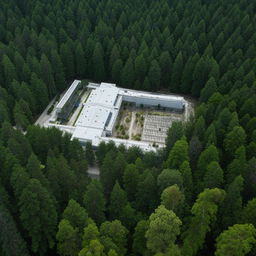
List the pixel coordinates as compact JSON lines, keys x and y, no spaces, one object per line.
{"x":38,"y":216}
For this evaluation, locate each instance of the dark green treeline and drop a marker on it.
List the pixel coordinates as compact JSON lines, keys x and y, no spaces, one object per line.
{"x":196,"y":197}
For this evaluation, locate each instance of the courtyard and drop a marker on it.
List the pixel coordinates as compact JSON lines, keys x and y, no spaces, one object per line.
{"x":149,"y":125}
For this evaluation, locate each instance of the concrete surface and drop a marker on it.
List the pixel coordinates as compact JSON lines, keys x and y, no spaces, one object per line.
{"x":44,"y":117}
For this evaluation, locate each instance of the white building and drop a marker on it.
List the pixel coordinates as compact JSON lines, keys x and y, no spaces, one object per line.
{"x":98,"y":116}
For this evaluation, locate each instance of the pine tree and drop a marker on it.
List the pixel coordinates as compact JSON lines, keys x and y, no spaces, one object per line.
{"x":38,"y":216}
{"x":139,"y":240}
{"x":232,"y":205}
{"x":178,"y":154}
{"x":76,"y":215}
{"x":127,"y":74}
{"x":98,"y":63}
{"x":118,"y":200}
{"x":154,"y":75}
{"x":131,"y":179}
{"x":140,"y":68}
{"x":169,"y":177}
{"x":68,"y":240}
{"x":208,"y":90}
{"x":177,"y":72}
{"x":164,"y":227}
{"x":95,"y":202}
{"x":204,"y":213}
{"x":116,"y":71}
{"x":237,"y":240}
{"x":9,"y":71}
{"x":58,"y":70}
{"x":67,"y":58}
{"x":47,"y":75}
{"x":115,"y":234}
{"x":213,"y":177}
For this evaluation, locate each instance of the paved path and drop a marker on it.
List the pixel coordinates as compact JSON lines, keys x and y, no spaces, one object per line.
{"x":133,"y":117}
{"x":93,"y":171}
{"x":44,"y":116}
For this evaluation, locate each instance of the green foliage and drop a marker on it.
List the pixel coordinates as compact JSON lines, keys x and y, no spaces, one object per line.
{"x":89,"y":154}
{"x":208,"y":90}
{"x":204,"y":215}
{"x":9,"y":233}
{"x":172,"y":198}
{"x":131,"y":179}
{"x":237,"y":240}
{"x":139,"y":239}
{"x":98,"y":62}
{"x":232,"y":205}
{"x":178,"y":154}
{"x":146,"y":197}
{"x":95,"y":248}
{"x":185,"y":171}
{"x":234,"y":139}
{"x":91,"y":232}
{"x":213,"y":176}
{"x":95,"y":202}
{"x":175,"y":133}
{"x":164,"y":227}
{"x":169,"y":177}
{"x":116,"y":233}
{"x":68,"y":240}
{"x":206,"y":157}
{"x":191,"y":47}
{"x":76,"y":215}
{"x":38,"y":216}
{"x":118,"y":200}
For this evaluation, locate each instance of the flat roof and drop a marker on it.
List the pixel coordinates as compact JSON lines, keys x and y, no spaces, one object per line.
{"x":85,"y":133}
{"x":145,"y":146}
{"x":93,"y":116}
{"x":67,"y":94}
{"x":143,"y":94}
{"x":103,"y":96}
{"x":101,"y":109}
{"x":136,"y":93}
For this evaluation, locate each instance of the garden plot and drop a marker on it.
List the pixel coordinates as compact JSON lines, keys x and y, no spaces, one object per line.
{"x":156,"y":127}
{"x":129,"y":125}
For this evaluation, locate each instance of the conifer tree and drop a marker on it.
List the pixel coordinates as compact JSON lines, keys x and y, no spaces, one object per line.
{"x":38,"y":216}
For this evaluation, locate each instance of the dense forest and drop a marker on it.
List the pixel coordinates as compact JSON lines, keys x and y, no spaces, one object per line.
{"x":197,"y":196}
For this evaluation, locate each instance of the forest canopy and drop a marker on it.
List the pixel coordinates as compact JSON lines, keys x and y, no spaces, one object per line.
{"x":195,"y":197}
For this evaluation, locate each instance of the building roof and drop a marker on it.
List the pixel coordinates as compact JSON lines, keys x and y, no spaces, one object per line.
{"x":135,"y":93}
{"x":67,"y":94}
{"x":93,"y":116}
{"x":105,"y":96}
{"x":143,"y":94}
{"x":100,"y":111}
{"x":143,"y":145}
{"x":87,"y":134}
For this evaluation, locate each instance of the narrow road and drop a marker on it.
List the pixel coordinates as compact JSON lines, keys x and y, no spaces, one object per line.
{"x":44,"y":116}
{"x":133,"y":117}
{"x":93,"y":171}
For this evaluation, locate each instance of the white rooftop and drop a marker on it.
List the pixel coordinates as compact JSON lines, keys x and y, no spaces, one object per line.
{"x":105,"y":95}
{"x":101,"y":109}
{"x":87,"y":134}
{"x":142,"y":94}
{"x":145,"y":146}
{"x":68,"y":93}
{"x":93,"y":116}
